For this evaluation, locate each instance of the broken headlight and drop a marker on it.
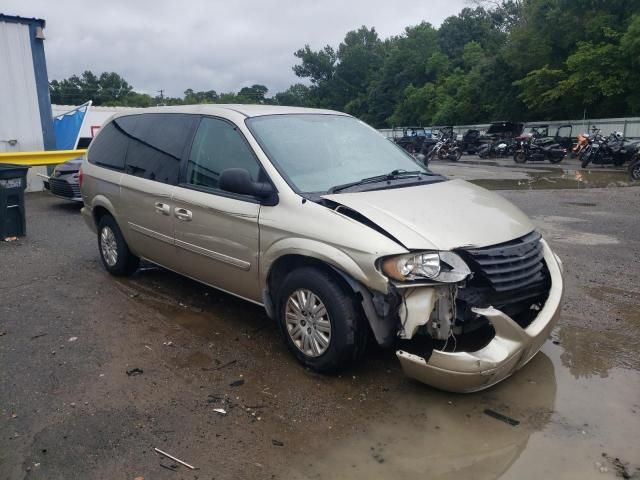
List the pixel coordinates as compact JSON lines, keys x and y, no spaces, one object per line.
{"x":440,"y":267}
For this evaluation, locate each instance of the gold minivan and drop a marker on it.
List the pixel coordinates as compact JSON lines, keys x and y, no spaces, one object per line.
{"x":336,"y":231}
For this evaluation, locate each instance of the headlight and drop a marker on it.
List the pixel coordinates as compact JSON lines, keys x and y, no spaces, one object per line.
{"x":444,"y":267}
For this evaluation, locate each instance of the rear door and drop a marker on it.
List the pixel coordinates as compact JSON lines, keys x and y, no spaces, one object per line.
{"x":157,"y":143}
{"x":217,"y":235}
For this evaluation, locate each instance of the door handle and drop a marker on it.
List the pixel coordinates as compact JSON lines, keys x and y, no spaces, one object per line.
{"x":162,"y":208}
{"x":183,"y":214}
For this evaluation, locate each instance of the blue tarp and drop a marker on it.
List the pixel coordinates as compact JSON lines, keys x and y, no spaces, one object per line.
{"x":67,"y":127}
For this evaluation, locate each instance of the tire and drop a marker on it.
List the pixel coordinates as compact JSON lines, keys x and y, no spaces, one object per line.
{"x":555,"y":159}
{"x":114,"y":251}
{"x":520,"y":157}
{"x":586,"y":159}
{"x":455,"y":156}
{"x":348,"y":331}
{"x":634,"y":170}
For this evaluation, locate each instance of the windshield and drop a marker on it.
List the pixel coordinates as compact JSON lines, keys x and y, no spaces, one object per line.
{"x":315,"y":152}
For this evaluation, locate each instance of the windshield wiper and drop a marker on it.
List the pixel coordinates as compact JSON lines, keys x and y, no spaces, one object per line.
{"x":393,"y":175}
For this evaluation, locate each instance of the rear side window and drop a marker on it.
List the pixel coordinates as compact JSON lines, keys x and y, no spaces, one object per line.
{"x":109,"y":148}
{"x":156,"y":143}
{"x":218,"y":145}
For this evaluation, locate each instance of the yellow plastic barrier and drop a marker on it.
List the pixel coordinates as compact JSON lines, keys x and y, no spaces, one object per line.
{"x":35,"y":159}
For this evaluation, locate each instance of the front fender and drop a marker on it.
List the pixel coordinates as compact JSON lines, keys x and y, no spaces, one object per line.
{"x":323,"y":252}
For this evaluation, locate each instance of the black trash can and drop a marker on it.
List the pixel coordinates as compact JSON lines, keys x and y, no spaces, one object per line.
{"x":13,"y":181}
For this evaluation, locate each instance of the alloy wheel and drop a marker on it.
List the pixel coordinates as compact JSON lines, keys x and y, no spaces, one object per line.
{"x":308,"y":323}
{"x":109,"y":246}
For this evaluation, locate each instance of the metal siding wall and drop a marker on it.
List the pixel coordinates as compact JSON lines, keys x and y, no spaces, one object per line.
{"x":19,"y":107}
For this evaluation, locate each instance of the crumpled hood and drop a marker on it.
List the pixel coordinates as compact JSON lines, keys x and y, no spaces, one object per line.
{"x":440,"y":216}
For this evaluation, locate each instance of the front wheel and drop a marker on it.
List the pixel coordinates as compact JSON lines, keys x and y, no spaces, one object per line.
{"x":455,"y":155}
{"x":553,"y":159}
{"x":114,"y":251}
{"x":320,"y":321}
{"x":520,"y":157}
{"x":634,"y":170}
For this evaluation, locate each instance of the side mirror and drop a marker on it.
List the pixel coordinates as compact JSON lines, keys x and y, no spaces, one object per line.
{"x":238,"y":180}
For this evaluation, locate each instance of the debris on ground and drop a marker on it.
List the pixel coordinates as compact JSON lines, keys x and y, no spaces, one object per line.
{"x":3,"y":333}
{"x":221,"y":411}
{"x":135,"y":371}
{"x":621,"y":468}
{"x":38,"y":336}
{"x":237,"y":383}
{"x":10,"y":239}
{"x":167,"y":344}
{"x":175,"y":459}
{"x":503,"y":418}
{"x":277,"y":443}
{"x":169,"y":466}
{"x":72,"y":339}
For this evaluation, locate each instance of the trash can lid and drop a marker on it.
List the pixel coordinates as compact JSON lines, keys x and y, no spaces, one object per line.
{"x":9,"y":170}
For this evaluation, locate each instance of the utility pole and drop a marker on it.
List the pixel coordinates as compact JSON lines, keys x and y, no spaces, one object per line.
{"x":161,"y":92}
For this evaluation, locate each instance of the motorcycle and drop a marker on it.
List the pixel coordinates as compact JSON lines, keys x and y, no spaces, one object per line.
{"x":501,"y":148}
{"x":446,"y":148}
{"x":529,"y":151}
{"x":581,"y":145}
{"x":611,"y":150}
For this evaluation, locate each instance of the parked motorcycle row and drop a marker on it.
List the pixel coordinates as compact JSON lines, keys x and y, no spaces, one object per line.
{"x":535,"y":144}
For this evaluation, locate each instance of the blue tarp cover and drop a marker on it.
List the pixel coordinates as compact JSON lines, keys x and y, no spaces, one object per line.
{"x":67,"y":128}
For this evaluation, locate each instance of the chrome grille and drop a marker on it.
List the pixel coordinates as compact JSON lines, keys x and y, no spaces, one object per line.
{"x":64,"y":188}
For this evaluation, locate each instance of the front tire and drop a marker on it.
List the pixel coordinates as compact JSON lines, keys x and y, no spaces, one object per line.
{"x":114,"y":251}
{"x":520,"y":157}
{"x":320,"y":321}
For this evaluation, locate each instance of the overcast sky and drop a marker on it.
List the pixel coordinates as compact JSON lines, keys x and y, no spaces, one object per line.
{"x":200,"y":44}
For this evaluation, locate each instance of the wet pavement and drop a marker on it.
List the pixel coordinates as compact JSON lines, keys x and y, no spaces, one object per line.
{"x":69,"y":333}
{"x":532,"y":176}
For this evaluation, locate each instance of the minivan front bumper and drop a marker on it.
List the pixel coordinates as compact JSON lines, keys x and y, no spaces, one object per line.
{"x":509,"y":350}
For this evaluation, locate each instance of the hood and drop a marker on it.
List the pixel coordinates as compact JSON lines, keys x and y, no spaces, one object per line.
{"x":70,"y":166}
{"x":440,"y":216}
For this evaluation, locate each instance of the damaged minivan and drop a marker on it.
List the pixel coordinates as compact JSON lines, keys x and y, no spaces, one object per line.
{"x":340,"y":234}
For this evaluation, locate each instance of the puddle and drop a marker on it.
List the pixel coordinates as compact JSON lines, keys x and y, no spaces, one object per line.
{"x":559,"y":179}
{"x":566,"y":424}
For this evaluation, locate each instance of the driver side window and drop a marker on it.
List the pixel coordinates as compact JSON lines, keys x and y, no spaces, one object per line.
{"x":218,"y":145}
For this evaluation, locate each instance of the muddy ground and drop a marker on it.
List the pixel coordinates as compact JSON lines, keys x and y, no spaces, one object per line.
{"x":69,"y":333}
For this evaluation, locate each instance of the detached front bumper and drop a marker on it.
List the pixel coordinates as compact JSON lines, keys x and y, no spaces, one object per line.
{"x":509,"y":350}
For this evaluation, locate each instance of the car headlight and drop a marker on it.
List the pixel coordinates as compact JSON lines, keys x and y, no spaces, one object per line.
{"x":443,"y":267}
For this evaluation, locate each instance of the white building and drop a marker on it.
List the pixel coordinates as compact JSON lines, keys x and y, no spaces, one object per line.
{"x":25,"y":107}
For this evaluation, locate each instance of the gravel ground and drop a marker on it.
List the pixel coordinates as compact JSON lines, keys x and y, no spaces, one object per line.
{"x":69,"y":333}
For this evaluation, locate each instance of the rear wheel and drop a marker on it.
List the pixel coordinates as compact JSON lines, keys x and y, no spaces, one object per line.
{"x":520,"y":157}
{"x":114,"y":251}
{"x":555,"y":159}
{"x":586,"y":158}
{"x":320,"y":321}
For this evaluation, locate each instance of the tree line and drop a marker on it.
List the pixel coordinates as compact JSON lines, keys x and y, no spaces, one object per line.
{"x":509,"y":59}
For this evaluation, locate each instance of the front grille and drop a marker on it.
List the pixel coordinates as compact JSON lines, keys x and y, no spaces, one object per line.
{"x":511,"y":265}
{"x":64,"y":188}
{"x":510,"y":276}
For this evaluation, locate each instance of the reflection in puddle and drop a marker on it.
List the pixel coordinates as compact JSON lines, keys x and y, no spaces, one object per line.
{"x":559,"y":179}
{"x":438,"y":435}
{"x":567,"y":424}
